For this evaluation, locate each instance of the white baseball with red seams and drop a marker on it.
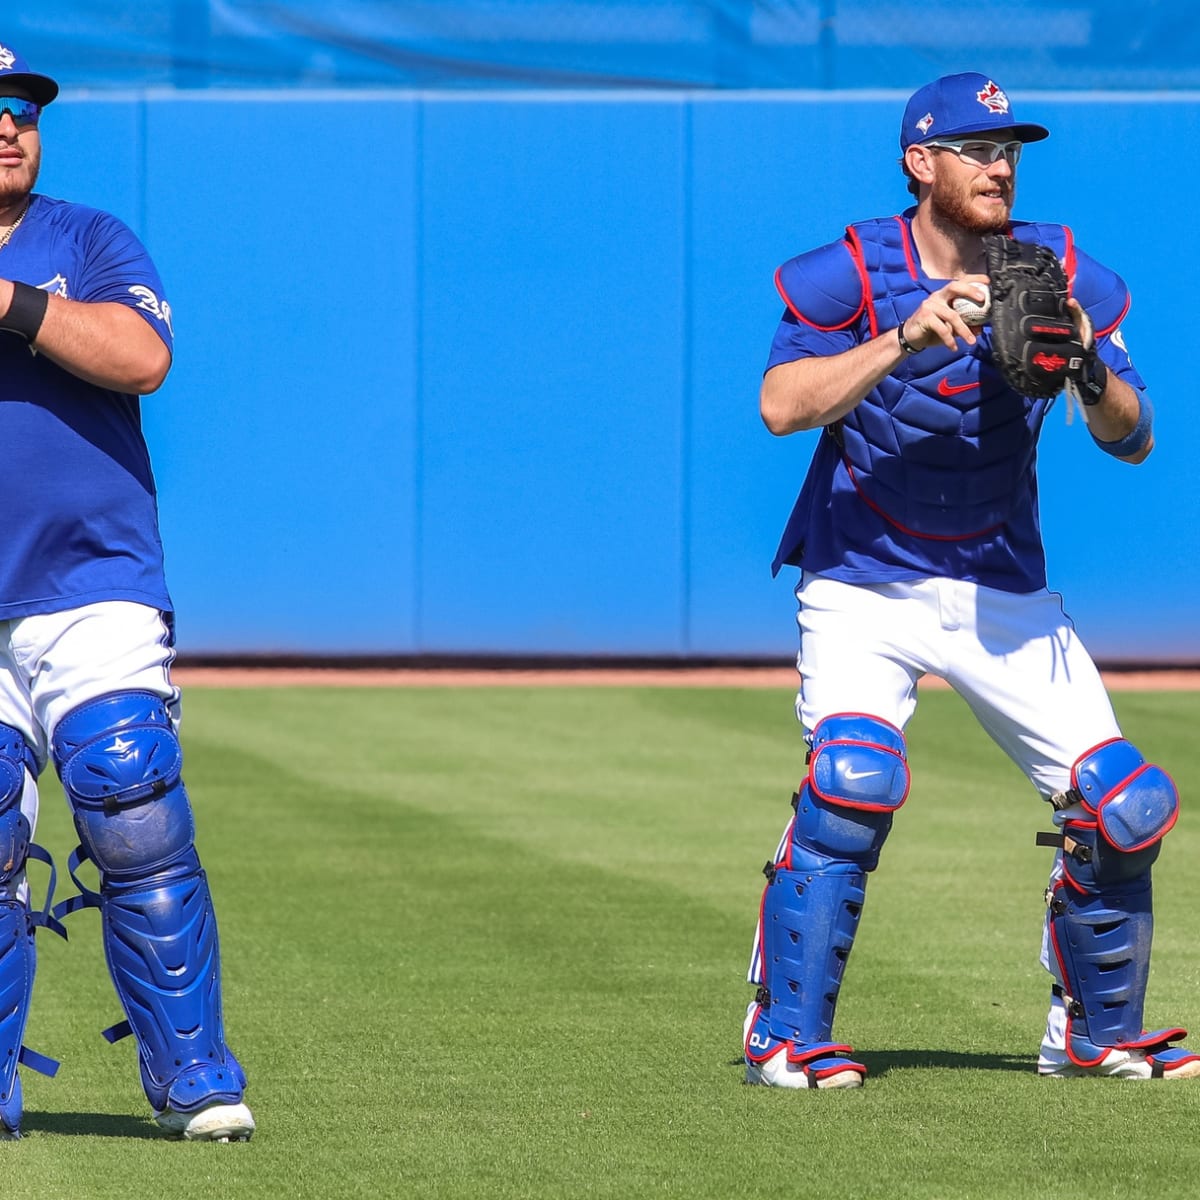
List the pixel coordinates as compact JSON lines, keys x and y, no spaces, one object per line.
{"x":974,"y":312}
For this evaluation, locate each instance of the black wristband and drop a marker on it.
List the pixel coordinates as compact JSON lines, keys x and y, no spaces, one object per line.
{"x":905,"y":344}
{"x":26,"y":312}
{"x":1092,"y":378}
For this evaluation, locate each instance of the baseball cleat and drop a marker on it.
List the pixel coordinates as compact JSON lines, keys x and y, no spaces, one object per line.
{"x":771,"y":1062}
{"x":216,"y":1123}
{"x":777,"y":1071}
{"x":1160,"y":1062}
{"x":1068,"y":1053}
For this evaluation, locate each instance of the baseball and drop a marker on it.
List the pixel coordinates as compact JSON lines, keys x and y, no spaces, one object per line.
{"x":974,"y":312}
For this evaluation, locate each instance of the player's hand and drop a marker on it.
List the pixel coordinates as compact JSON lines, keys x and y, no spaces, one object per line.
{"x":1082,"y":322}
{"x":936,"y":321}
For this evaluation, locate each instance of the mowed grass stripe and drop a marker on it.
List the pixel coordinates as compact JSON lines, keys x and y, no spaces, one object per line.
{"x":492,"y":943}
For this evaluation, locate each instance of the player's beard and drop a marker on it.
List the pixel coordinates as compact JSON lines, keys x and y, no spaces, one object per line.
{"x":17,"y":182}
{"x":951,"y":202}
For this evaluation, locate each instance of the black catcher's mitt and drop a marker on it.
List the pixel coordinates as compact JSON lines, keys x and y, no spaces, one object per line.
{"x":1035,"y":345}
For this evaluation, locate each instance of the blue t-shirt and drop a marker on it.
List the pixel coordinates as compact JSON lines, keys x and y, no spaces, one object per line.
{"x":77,"y":498}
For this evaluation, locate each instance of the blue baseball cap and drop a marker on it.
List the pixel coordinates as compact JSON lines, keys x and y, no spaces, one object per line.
{"x":15,"y":74}
{"x":956,"y":105}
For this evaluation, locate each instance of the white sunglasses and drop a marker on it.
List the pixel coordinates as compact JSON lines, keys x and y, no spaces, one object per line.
{"x":981,"y":153}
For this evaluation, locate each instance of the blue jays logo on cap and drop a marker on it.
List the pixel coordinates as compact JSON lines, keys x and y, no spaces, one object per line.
{"x":960,"y":104}
{"x":992,"y":98}
{"x":15,"y":73}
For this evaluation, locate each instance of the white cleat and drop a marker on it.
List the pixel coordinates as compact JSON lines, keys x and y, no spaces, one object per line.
{"x":216,"y":1123}
{"x":1053,"y":1063}
{"x":778,"y":1072}
{"x":1151,"y":1057}
{"x":826,"y":1065}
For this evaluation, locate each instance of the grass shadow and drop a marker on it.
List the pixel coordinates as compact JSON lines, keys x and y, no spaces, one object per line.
{"x":880,"y":1062}
{"x":89,"y":1125}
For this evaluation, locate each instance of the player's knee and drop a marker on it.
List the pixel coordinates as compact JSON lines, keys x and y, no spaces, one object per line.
{"x":1123,"y":808}
{"x":15,"y":833}
{"x":120,"y":763}
{"x":857,"y":778}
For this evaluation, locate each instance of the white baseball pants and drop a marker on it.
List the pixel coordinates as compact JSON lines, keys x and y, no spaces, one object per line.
{"x":1014,"y":658}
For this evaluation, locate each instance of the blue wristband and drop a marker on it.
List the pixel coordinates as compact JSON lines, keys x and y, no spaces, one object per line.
{"x":1136,"y":439}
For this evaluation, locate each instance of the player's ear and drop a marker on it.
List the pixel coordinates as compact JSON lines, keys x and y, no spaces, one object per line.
{"x":919,"y":161}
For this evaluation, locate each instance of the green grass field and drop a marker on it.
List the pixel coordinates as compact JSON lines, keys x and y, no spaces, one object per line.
{"x":491,"y":943}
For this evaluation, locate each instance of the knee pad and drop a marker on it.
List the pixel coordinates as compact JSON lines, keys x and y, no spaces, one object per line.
{"x":1100,"y":917}
{"x":857,"y":778}
{"x":1118,"y":810}
{"x":120,"y":764}
{"x":1134,"y":803}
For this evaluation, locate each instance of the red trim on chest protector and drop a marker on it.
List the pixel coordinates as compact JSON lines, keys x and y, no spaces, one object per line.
{"x":906,"y":243}
{"x":931,"y":537}
{"x":787,"y":300}
{"x":860,"y":263}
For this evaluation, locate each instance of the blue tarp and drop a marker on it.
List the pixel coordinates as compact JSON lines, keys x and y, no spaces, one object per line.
{"x":824,"y":44}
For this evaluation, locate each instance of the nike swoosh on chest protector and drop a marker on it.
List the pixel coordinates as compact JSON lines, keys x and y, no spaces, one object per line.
{"x":946,"y":388}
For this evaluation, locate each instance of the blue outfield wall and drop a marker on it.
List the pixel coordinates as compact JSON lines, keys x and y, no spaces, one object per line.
{"x":477,"y":373}
{"x":1077,"y":44}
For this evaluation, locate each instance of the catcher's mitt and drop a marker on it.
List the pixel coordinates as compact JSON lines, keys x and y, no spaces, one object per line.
{"x":1035,"y":345}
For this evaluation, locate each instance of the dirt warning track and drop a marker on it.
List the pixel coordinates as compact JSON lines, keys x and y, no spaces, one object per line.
{"x":1156,"y":679}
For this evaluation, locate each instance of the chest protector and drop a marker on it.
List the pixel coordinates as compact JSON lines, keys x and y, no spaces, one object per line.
{"x":942,"y":448}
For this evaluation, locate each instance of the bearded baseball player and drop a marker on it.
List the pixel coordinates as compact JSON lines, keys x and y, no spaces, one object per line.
{"x":917,"y":535}
{"x":86,"y":636}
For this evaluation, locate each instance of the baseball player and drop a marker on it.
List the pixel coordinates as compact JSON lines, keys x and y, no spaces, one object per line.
{"x":86,"y":636}
{"x":917,"y":534}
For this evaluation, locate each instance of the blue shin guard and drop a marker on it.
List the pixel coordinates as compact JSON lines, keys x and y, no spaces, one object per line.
{"x":18,"y":955}
{"x":1101,"y":938}
{"x":160,"y":939}
{"x":120,"y":764}
{"x":18,"y":961}
{"x":857,"y":778}
{"x":1100,"y":919}
{"x":809,"y":919}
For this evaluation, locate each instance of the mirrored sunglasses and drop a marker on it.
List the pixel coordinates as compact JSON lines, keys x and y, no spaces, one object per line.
{"x":981,"y":153}
{"x":23,"y":112}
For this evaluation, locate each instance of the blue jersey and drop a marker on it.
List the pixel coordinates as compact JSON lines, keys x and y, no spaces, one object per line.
{"x":78,"y":500}
{"x":934,"y":472}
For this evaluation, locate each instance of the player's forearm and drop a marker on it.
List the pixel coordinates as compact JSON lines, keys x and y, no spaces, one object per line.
{"x":812,"y":392}
{"x":1116,"y":415}
{"x":108,"y":345}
